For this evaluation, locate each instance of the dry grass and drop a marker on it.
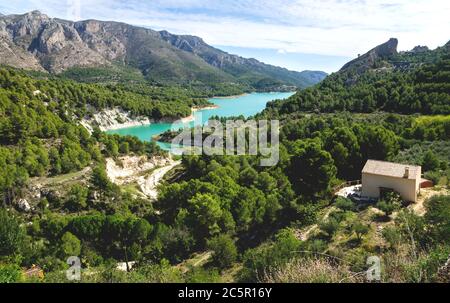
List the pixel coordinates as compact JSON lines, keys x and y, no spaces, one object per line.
{"x":196,"y":260}
{"x":405,"y":266}
{"x":425,"y":194}
{"x":316,"y":270}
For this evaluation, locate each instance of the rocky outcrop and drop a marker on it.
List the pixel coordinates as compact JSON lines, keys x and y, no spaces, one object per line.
{"x":213,"y":56}
{"x":114,"y":118}
{"x":237,"y":65}
{"x":184,"y":42}
{"x":145,"y":172}
{"x":44,"y":43}
{"x":126,"y":168}
{"x":15,"y":37}
{"x":23,"y":205}
{"x":368,"y":60}
{"x":420,"y":49}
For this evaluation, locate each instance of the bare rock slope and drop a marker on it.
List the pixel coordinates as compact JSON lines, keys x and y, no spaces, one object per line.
{"x":368,"y":60}
{"x":38,"y":42}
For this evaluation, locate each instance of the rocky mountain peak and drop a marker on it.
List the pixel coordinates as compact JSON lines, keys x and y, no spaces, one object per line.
{"x":33,"y":17}
{"x":420,"y":49}
{"x":386,"y":49}
{"x":369,"y":59}
{"x":24,"y":25}
{"x":36,"y":13}
{"x":35,"y":41}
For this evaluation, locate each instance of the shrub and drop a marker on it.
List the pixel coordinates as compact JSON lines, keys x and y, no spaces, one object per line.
{"x":70,"y":245}
{"x":12,"y":235}
{"x":317,"y":246}
{"x":430,"y":161}
{"x":386,"y":207}
{"x":360,"y":230}
{"x":10,"y":273}
{"x":77,"y":198}
{"x":344,"y":204}
{"x":224,"y":250}
{"x":390,"y":202}
{"x":434,"y":176}
{"x":438,"y":217}
{"x":392,"y":236}
{"x":267,"y":256}
{"x":329,"y":227}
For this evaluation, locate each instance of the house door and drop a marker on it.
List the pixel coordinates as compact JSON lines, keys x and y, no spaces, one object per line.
{"x":384,"y":191}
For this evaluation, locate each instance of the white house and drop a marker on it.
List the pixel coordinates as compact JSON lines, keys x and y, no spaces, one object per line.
{"x":380,"y":176}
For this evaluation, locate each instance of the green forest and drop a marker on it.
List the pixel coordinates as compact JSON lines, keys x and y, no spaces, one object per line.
{"x":77,"y":100}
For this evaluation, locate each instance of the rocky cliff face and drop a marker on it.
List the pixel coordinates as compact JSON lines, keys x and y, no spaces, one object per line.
{"x":212,"y":55}
{"x":369,"y":59}
{"x":113,"y":118}
{"x":44,"y":43}
{"x":36,"y":41}
{"x":420,"y":49}
{"x":237,"y":65}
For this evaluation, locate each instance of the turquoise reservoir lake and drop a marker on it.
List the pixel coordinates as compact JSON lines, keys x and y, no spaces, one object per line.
{"x":245,"y":105}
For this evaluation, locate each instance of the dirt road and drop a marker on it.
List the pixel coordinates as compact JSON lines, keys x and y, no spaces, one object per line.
{"x":149,"y":184}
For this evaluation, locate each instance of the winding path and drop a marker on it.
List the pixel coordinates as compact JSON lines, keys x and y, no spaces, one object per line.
{"x":149,"y":184}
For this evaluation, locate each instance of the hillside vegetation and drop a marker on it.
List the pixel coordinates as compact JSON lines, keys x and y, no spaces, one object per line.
{"x":75,"y":100}
{"x":226,"y":218}
{"x":418,"y":84}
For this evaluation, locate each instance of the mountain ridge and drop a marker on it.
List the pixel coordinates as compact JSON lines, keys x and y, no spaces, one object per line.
{"x":368,"y":59}
{"x":224,"y":60}
{"x":407,"y":82}
{"x":38,"y":42}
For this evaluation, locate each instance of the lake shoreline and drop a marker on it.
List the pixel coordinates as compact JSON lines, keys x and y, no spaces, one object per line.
{"x":246,"y":94}
{"x":230,"y":97}
{"x":246,"y":105}
{"x":142,"y":121}
{"x":191,"y":117}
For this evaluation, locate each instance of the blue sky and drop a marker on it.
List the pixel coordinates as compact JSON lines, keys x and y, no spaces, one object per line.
{"x":296,"y":34}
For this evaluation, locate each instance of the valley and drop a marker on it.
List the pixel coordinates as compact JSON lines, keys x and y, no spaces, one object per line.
{"x":234,"y":106}
{"x":81,"y":103}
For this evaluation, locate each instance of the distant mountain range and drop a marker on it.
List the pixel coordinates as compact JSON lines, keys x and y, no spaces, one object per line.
{"x":37,"y":42}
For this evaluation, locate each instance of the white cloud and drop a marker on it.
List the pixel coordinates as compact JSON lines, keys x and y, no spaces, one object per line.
{"x":329,"y":27}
